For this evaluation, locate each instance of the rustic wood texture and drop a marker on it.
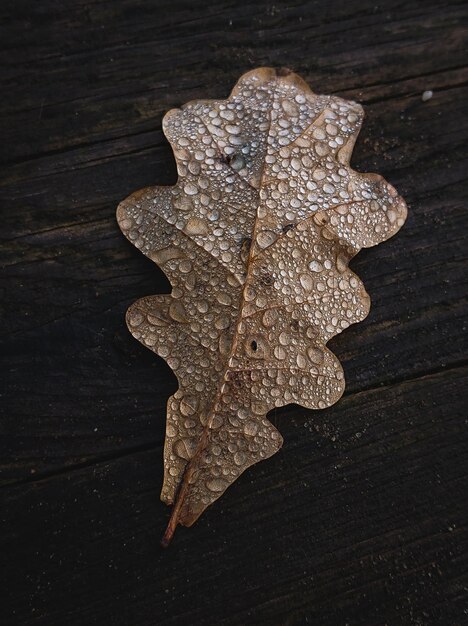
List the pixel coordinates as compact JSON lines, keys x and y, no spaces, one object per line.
{"x":361,"y":518}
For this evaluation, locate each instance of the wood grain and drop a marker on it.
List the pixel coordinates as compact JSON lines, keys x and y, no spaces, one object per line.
{"x":361,"y":518}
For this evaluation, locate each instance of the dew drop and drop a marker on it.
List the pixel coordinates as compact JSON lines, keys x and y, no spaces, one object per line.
{"x":239,"y":458}
{"x":307,"y":281}
{"x":196,"y":226}
{"x":265,"y":238}
{"x":177,"y":312}
{"x":135,"y":318}
{"x":217,"y":485}
{"x":190,"y":189}
{"x":251,"y":428}
{"x":315,"y":266}
{"x":188,"y":405}
{"x":181,"y":448}
{"x":315,"y":355}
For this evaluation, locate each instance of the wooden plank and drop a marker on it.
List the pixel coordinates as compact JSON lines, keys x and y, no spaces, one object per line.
{"x":101,"y":83}
{"x":361,"y":518}
{"x":80,"y":265}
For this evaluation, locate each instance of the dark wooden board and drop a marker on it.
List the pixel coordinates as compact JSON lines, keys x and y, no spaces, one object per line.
{"x":361,"y":518}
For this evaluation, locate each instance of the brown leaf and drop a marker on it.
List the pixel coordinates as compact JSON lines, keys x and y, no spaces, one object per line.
{"x":255,"y":238}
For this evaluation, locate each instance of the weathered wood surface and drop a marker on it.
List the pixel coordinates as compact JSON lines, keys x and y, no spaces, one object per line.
{"x":361,"y":518}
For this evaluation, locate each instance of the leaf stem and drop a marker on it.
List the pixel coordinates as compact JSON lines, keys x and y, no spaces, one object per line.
{"x":174,"y":519}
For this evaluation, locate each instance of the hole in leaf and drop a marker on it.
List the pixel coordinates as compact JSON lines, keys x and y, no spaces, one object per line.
{"x":254,"y":346}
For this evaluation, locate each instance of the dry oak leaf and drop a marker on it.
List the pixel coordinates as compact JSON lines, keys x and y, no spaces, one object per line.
{"x":255,"y":238}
